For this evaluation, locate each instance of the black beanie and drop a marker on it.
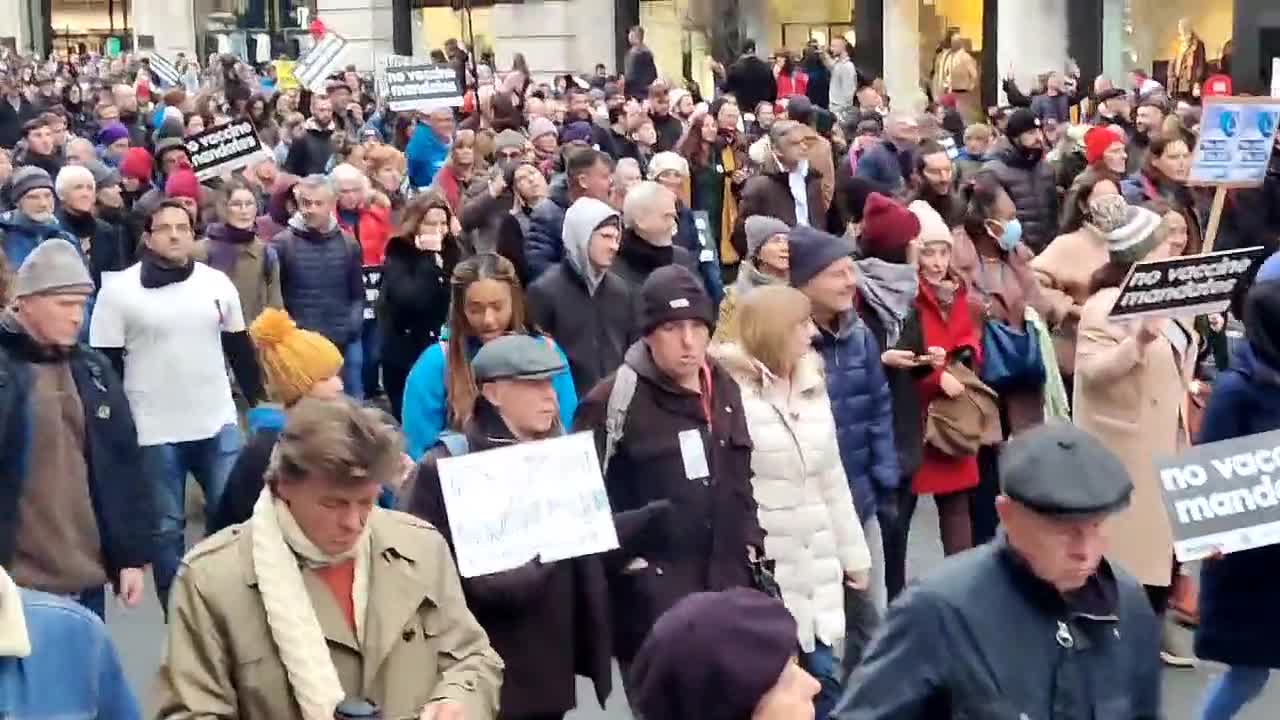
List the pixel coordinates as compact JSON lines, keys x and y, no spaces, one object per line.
{"x":713,"y":656}
{"x":672,"y":293}
{"x":1262,"y":322}
{"x":1022,"y":120}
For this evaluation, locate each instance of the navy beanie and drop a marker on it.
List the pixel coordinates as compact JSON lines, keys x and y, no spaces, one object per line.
{"x":713,"y":656}
{"x":812,"y":251}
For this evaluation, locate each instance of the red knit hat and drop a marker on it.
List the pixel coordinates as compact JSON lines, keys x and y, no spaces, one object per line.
{"x":137,"y":164}
{"x":182,"y":183}
{"x":1097,"y":141}
{"x":887,"y":227}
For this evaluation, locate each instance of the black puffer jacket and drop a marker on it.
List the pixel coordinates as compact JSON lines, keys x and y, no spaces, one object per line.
{"x":593,"y":329}
{"x":1035,"y":193}
{"x":414,"y":301}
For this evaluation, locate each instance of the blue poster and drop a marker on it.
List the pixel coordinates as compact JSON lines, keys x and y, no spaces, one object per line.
{"x":1236,"y":140}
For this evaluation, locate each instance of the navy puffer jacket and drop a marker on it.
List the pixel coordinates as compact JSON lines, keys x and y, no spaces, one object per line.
{"x":863,"y":410}
{"x":544,"y":243}
{"x":321,"y":280}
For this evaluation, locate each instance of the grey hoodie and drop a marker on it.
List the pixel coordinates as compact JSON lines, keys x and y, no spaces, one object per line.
{"x":580,"y":221}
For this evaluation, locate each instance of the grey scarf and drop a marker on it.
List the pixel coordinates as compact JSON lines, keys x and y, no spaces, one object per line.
{"x":889,"y":289}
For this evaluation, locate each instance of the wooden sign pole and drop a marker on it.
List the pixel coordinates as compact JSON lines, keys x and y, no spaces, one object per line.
{"x":1215,"y":219}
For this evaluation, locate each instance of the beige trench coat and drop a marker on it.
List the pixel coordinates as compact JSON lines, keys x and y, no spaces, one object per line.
{"x":1131,"y":398}
{"x":421,"y":642}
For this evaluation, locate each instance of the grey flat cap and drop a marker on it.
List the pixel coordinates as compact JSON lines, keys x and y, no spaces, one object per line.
{"x":516,"y":357}
{"x":1059,"y":469}
{"x":55,"y":266}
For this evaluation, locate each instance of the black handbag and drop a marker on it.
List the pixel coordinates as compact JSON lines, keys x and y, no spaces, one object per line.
{"x":1011,"y":359}
{"x":762,"y":578}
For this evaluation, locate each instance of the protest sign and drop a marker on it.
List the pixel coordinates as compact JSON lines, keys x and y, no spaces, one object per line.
{"x":285,"y":79}
{"x":421,"y":86}
{"x":164,"y":70}
{"x":320,"y":61}
{"x":1187,"y":285}
{"x":380,"y":66}
{"x":223,"y":148}
{"x":542,"y":499}
{"x":1223,"y":496}
{"x":1236,"y":138}
{"x":372,"y":289}
{"x":702,"y":223}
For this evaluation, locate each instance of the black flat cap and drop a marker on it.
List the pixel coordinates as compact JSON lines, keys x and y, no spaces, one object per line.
{"x":1111,"y":94}
{"x":1059,"y":469}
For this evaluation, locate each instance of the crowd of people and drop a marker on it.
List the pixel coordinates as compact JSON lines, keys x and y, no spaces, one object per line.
{"x":786,"y":309}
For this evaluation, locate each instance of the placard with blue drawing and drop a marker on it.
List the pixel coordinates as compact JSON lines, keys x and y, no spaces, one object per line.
{"x":1237,"y":136}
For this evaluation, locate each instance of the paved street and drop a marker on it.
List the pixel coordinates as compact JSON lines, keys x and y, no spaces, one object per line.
{"x":138,"y":634}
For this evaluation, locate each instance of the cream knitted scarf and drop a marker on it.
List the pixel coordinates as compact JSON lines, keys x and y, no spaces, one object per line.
{"x":14,"y":641}
{"x":279,"y":547}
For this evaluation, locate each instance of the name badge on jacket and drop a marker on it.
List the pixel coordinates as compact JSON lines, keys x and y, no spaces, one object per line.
{"x":694,"y":455}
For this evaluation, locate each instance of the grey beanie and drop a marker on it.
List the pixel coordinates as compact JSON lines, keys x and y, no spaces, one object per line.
{"x":1130,"y":231}
{"x":28,"y":178}
{"x":54,"y":266}
{"x":103,"y":176}
{"x":759,"y":228}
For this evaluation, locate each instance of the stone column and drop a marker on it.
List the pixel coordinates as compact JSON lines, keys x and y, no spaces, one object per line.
{"x":1032,"y":39}
{"x":902,"y":55}
{"x":366,"y":24}
{"x":15,"y":22}
{"x":170,"y":22}
{"x":556,"y":37}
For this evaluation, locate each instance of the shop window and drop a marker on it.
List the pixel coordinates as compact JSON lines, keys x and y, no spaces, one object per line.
{"x":796,"y":35}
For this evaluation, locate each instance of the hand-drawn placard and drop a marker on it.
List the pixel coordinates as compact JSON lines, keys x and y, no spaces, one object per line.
{"x":510,"y":505}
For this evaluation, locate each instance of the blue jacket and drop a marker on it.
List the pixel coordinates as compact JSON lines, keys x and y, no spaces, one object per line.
{"x":425,"y":410}
{"x":544,"y":243}
{"x":321,"y":281}
{"x":21,"y":235}
{"x":1239,"y":592}
{"x":73,"y":670}
{"x":863,"y":410}
{"x":425,"y":155}
{"x":708,"y":262}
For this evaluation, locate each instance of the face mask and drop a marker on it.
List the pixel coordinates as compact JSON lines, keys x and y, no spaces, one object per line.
{"x":1011,"y":236}
{"x":1033,"y":155}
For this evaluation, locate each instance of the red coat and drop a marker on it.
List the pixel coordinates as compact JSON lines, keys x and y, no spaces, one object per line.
{"x":788,"y":85}
{"x":374,"y":231}
{"x":941,"y":474}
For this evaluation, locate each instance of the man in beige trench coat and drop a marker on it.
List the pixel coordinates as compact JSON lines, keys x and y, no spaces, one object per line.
{"x":322,"y":596}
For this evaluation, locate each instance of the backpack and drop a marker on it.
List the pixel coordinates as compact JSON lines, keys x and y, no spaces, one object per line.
{"x":624,"y":389}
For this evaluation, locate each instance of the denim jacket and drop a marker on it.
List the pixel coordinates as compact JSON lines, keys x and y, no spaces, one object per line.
{"x":72,"y":672}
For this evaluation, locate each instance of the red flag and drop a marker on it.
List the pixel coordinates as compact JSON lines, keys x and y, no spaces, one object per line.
{"x":317,"y":29}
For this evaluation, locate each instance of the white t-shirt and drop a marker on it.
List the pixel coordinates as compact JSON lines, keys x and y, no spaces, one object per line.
{"x":174,"y":372}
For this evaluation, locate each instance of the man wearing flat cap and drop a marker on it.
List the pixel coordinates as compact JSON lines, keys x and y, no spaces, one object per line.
{"x":1035,"y":624}
{"x":77,"y":515}
{"x":547,"y":621}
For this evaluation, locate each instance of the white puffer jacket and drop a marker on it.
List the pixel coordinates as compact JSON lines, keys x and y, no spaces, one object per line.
{"x":805,"y":506}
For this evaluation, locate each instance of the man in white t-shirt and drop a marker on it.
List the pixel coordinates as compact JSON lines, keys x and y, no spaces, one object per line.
{"x":166,"y":322}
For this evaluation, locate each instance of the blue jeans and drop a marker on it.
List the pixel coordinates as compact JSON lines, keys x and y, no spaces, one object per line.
{"x":821,"y":664}
{"x":1233,"y":690}
{"x":371,"y":342}
{"x":353,"y":369}
{"x":209,"y":461}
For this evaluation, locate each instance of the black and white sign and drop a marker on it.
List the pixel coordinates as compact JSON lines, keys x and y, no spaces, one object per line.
{"x":224,"y":148}
{"x":164,"y":70}
{"x":372,"y":289}
{"x":320,"y":61}
{"x":1224,"y":496}
{"x":1188,"y":285}
{"x":422,"y":87}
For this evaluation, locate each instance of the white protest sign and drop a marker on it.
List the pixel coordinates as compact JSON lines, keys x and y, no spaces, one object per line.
{"x":512,"y":504}
{"x":314,"y":67}
{"x":1237,"y":135}
{"x":1223,"y":496}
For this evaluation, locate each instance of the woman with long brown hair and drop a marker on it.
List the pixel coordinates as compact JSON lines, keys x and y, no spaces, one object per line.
{"x":1164,"y":176}
{"x":414,"y":300}
{"x":717,"y":162}
{"x":486,"y":302}
{"x":458,"y":169}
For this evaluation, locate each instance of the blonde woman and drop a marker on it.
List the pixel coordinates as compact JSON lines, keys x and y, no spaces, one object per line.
{"x":805,"y":506}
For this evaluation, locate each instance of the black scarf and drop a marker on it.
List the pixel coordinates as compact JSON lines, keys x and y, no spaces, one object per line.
{"x":155,"y":274}
{"x":82,"y":225}
{"x":644,"y":256}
